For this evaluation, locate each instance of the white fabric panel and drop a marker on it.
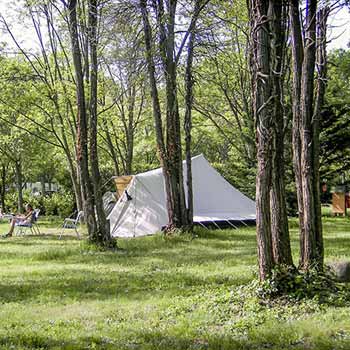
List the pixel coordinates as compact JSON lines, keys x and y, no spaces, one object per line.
{"x":214,"y":200}
{"x":146,"y":213}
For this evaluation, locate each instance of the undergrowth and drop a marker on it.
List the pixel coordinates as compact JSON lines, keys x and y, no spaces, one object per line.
{"x":291,"y":284}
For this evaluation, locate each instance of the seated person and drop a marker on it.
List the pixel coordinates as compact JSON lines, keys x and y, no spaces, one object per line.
{"x":21,"y":220}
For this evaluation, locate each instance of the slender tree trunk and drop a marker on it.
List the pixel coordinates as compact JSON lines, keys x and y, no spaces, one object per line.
{"x":82,"y":127}
{"x":102,"y":224}
{"x":310,"y":256}
{"x":263,"y":111}
{"x":279,"y":220}
{"x":3,"y":188}
{"x":112,"y":150}
{"x":43,"y":191}
{"x":156,"y":106}
{"x":173,"y":138}
{"x":321,"y":59}
{"x":76,"y":187}
{"x":306,"y":117}
{"x":19,"y":184}
{"x":130,"y":131}
{"x":298,"y":54}
{"x":188,"y":120}
{"x":171,"y":149}
{"x":166,"y":24}
{"x":75,"y":178}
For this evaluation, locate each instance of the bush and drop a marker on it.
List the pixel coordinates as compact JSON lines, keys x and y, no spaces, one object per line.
{"x":28,"y":197}
{"x":50,"y":206}
{"x":59,"y":203}
{"x":297,"y":285}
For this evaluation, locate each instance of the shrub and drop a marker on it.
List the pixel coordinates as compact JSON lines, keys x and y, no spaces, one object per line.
{"x":50,"y":205}
{"x":60,"y":203}
{"x":294,"y":284}
{"x":65,"y":203}
{"x":28,"y":197}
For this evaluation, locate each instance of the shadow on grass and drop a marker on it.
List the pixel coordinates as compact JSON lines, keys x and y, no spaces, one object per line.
{"x":142,"y":268}
{"x":245,"y":234}
{"x":85,"y":284}
{"x":32,"y":240}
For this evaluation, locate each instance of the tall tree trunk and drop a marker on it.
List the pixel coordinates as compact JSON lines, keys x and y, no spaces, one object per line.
{"x":298,"y":55}
{"x":111,"y":149}
{"x":130,"y":131}
{"x":3,"y":188}
{"x":156,"y":106}
{"x":263,"y":111}
{"x":19,"y":184}
{"x":279,"y":219}
{"x":102,"y":224}
{"x":76,"y":187}
{"x":166,"y":23}
{"x":82,"y":127}
{"x":321,"y":59}
{"x":188,"y":119}
{"x":310,"y":256}
{"x":42,"y":180}
{"x":171,"y":149}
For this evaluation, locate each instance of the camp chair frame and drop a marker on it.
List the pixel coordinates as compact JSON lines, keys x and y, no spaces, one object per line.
{"x":6,"y":217}
{"x":70,"y":223}
{"x":21,"y":229}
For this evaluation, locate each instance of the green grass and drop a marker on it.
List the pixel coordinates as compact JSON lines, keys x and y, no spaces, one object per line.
{"x":156,"y":293}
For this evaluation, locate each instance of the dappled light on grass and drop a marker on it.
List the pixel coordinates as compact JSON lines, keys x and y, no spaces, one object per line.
{"x":179,"y":292}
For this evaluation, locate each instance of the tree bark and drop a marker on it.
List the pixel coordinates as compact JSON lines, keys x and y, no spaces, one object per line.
{"x":103,"y":232}
{"x":111,"y":149}
{"x":321,"y":59}
{"x":166,"y":23}
{"x":189,"y":82}
{"x":298,"y":55}
{"x":3,"y":188}
{"x":170,"y":148}
{"x":263,"y":109}
{"x":42,"y":181}
{"x":82,"y":127}
{"x":19,"y":185}
{"x":157,"y":115}
{"x":188,"y":127}
{"x":130,"y":131}
{"x":279,"y":220}
{"x":310,"y":256}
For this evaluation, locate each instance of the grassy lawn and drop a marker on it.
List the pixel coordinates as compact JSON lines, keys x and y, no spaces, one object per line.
{"x":156,"y":293}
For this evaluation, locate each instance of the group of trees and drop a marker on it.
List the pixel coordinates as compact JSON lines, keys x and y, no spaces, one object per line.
{"x":308,"y":38}
{"x":114,"y":87}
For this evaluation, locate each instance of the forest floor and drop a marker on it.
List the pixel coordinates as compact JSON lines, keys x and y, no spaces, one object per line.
{"x":157,"y":293}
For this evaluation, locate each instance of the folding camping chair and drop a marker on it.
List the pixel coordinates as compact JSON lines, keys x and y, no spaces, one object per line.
{"x":70,"y":223}
{"x":32,"y":225}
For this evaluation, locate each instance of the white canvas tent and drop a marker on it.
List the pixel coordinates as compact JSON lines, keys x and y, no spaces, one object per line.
{"x":142,"y":211}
